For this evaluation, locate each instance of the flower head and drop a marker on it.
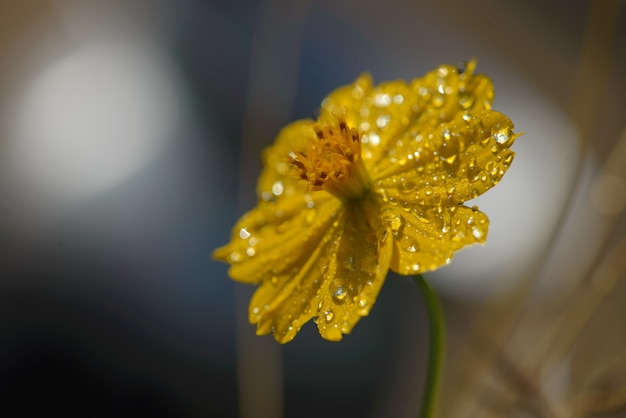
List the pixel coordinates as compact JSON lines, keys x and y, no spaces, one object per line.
{"x":378,"y":182}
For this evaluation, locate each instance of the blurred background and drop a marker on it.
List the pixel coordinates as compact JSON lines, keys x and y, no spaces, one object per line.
{"x":130,"y":136}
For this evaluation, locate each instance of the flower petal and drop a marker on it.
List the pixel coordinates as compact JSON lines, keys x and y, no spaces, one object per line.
{"x":283,"y":304}
{"x":451,"y":163}
{"x":287,"y":221}
{"x":277,"y":180}
{"x":426,"y":238}
{"x":431,"y":142}
{"x":337,"y":285}
{"x":275,"y":237}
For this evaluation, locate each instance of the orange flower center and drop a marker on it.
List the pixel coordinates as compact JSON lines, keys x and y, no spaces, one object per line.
{"x":333,"y":162}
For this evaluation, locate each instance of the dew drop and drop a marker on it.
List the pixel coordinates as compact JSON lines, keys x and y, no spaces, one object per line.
{"x":438,"y":100}
{"x":357,"y":92}
{"x":477,"y":232}
{"x":473,"y":173}
{"x":503,"y":135}
{"x":396,"y":222}
{"x":407,"y":186}
{"x":235,"y":257}
{"x":328,"y":315}
{"x":382,"y":100}
{"x":466,"y":100}
{"x":338,"y":291}
{"x":244,"y":234}
{"x":278,"y":188}
{"x":409,"y":244}
{"x":383,"y":121}
{"x":449,"y":149}
{"x":250,"y":251}
{"x":423,"y":218}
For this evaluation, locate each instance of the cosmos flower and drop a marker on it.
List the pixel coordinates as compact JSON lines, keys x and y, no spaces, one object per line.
{"x":377,"y":182}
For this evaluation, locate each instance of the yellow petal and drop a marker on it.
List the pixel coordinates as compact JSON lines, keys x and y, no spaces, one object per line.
{"x":431,"y":142}
{"x":451,"y":163}
{"x":380,"y":113}
{"x":355,"y":274}
{"x":284,"y":303}
{"x":426,"y":238}
{"x":337,"y":285}
{"x":276,"y":236}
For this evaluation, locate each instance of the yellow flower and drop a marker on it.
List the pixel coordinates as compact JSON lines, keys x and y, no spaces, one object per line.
{"x":378,"y":182}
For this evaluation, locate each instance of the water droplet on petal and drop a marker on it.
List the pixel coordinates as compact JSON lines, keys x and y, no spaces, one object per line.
{"x":328,"y":315}
{"x":407,"y":186}
{"x":466,"y":100}
{"x":244,"y":234}
{"x":503,"y":135}
{"x":235,"y":257}
{"x":448,"y":149}
{"x":383,"y":121}
{"x":438,"y":100}
{"x":382,"y":100}
{"x":338,"y":291}
{"x":409,"y":244}
{"x":423,"y":218}
{"x":473,"y":173}
{"x":278,"y":188}
{"x":396,"y":222}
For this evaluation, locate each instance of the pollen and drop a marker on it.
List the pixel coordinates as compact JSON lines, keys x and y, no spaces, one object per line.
{"x":332,"y":160}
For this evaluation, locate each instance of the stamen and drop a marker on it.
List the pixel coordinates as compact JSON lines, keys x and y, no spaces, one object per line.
{"x":332,"y":161}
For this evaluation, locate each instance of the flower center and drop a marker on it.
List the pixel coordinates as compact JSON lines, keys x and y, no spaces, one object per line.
{"x":333,"y":162}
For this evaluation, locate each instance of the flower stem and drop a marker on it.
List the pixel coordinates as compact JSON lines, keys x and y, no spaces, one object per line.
{"x":436,"y":348}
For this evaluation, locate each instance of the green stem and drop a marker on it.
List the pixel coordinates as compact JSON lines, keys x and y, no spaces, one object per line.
{"x":436,"y":348}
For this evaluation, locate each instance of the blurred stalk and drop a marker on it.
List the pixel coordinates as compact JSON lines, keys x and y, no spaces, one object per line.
{"x":492,"y":366}
{"x":271,"y":91}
